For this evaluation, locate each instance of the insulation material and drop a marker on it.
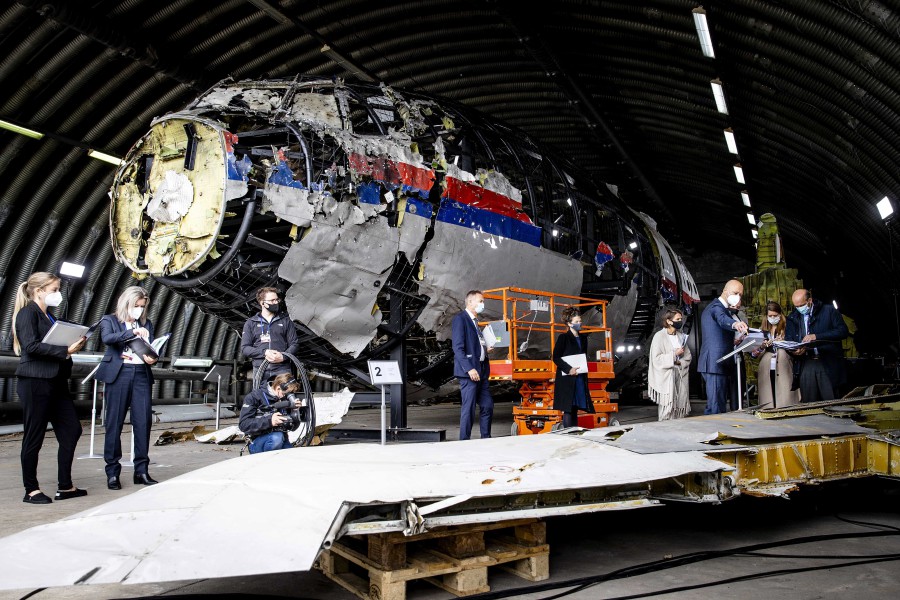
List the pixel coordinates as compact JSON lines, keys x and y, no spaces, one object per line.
{"x":180,"y":241}
{"x":459,"y":259}
{"x":317,"y":110}
{"x":161,"y":532}
{"x":255,"y":99}
{"x":337,"y":270}
{"x":172,"y":198}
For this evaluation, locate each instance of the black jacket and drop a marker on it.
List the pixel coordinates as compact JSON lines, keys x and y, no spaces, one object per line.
{"x":282,"y":337}
{"x":828,"y":325}
{"x":254,"y":422}
{"x":564,"y":388}
{"x":114,"y":335}
{"x":38,"y":359}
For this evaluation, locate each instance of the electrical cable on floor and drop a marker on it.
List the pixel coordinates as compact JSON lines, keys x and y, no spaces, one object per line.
{"x":581,"y":583}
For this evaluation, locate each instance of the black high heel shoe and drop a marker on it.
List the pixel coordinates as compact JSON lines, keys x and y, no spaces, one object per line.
{"x":144,"y":479}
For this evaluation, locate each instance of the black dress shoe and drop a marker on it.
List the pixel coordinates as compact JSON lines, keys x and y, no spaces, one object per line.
{"x":39,"y":498}
{"x":144,"y":479}
{"x":66,"y":495}
{"x":113,"y":483}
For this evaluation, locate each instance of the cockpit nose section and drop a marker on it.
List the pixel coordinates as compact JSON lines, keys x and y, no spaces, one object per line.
{"x":168,"y":199}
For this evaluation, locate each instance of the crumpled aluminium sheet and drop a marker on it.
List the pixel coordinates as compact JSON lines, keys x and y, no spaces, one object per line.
{"x":166,"y":532}
{"x":705,"y":433}
{"x":459,"y":259}
{"x":337,"y":272}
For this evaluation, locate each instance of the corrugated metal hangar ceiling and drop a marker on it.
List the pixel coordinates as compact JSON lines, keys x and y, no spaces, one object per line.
{"x":623,"y":88}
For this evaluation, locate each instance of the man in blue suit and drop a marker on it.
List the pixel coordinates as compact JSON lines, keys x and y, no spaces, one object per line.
{"x":821,"y":366}
{"x":471,"y":367}
{"x":717,"y":325}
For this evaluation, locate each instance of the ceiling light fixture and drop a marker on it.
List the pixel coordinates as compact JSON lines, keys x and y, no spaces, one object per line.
{"x":754,"y":233}
{"x":730,"y":141}
{"x":751,"y":219}
{"x":632,"y":245}
{"x":35,"y":135}
{"x":719,"y":95}
{"x":739,"y":173}
{"x":703,"y":32}
{"x":106,"y":157}
{"x":885,"y":208}
{"x":746,"y":198}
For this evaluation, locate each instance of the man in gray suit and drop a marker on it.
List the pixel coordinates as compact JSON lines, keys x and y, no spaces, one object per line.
{"x":718,"y":323}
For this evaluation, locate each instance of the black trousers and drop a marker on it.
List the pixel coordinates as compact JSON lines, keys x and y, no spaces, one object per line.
{"x":815,"y":385}
{"x":47,"y":401}
{"x":131,"y":389}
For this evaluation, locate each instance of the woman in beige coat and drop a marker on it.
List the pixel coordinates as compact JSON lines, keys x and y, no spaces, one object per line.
{"x":670,"y":360}
{"x":775,"y":368}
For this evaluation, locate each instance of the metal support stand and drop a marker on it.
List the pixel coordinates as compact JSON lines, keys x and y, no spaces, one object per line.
{"x":398,"y":430}
{"x":217,"y":373}
{"x":130,"y":461}
{"x":93,"y":426}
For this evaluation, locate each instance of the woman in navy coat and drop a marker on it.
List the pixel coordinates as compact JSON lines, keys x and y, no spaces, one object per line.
{"x":129,"y":382}
{"x":570,"y":392}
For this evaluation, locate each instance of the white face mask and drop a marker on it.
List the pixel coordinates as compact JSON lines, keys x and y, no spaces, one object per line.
{"x":136,"y":312}
{"x":733,"y":299}
{"x":774,"y":320}
{"x":53,"y":299}
{"x":479,"y":308}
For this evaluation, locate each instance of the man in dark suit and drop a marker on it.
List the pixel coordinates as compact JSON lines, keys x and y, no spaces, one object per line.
{"x":821,"y":365}
{"x":471,"y":367}
{"x":718,"y":324}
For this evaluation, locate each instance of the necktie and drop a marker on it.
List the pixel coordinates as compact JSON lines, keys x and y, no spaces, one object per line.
{"x":480,"y":337}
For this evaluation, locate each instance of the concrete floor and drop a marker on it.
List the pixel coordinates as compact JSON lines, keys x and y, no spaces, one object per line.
{"x":581,"y":547}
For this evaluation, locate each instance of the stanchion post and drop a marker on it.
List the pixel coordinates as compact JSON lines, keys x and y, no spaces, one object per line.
{"x":383,"y":419}
{"x":383,"y":373}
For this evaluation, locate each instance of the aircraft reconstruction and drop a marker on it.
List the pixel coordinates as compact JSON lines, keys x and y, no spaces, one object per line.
{"x":349,"y":195}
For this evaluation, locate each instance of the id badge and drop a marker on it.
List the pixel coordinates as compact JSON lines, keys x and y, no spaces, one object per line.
{"x":265,"y":338}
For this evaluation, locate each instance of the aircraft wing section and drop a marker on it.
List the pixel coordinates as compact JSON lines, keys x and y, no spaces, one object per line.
{"x":288,"y":501}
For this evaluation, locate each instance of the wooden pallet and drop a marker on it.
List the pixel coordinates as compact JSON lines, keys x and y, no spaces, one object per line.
{"x":456,"y":559}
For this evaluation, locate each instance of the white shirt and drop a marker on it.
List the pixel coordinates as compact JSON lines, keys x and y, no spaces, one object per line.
{"x":480,"y":335}
{"x":128,"y":356}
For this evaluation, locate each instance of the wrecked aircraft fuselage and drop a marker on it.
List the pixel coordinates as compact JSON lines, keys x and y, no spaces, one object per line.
{"x":345,"y":195}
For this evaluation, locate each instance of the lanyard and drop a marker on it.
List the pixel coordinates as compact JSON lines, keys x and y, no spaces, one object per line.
{"x":52,"y":320}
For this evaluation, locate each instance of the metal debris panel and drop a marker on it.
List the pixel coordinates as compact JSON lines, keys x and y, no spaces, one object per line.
{"x":708,"y":433}
{"x":169,"y":531}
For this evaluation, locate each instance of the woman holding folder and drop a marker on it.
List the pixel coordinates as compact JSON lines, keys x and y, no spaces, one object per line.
{"x":43,"y":386}
{"x":129,"y":381}
{"x":570,"y":393}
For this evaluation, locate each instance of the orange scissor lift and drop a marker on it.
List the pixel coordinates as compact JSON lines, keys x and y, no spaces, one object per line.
{"x":531,"y":314}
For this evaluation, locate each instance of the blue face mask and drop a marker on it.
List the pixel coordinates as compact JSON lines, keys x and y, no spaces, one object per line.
{"x":575,"y":326}
{"x":803,"y":309}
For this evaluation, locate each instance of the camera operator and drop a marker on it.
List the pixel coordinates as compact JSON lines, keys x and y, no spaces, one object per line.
{"x":268,"y":427}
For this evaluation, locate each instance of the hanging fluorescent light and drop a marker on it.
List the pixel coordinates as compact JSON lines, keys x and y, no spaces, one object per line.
{"x":834,"y":302}
{"x":703,"y":32}
{"x":620,"y":349}
{"x":555,"y":232}
{"x":719,"y":95}
{"x":730,"y":141}
{"x":569,"y":201}
{"x":754,"y":233}
{"x":746,"y":198}
{"x":106,"y":157}
{"x":885,"y":208}
{"x":751,"y":219}
{"x":632,"y":245}
{"x":35,"y":135}
{"x":739,"y":173}
{"x":631,"y":348}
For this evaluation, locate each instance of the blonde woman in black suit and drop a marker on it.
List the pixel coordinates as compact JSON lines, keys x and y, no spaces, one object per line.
{"x":43,"y":386}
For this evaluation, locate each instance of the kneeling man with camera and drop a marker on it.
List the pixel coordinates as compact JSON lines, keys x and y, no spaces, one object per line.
{"x":270,"y":412}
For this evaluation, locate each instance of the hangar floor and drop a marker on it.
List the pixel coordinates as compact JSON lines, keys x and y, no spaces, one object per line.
{"x":640,"y":552}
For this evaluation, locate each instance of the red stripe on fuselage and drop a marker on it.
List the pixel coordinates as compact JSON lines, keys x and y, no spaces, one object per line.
{"x":479,"y":197}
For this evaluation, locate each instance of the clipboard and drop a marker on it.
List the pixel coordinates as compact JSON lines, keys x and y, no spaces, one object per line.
{"x":579,"y":361}
{"x":65,"y":334}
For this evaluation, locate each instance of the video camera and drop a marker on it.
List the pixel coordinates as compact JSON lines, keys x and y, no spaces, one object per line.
{"x":295,"y":415}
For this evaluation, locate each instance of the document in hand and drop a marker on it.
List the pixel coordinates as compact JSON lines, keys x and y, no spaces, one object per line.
{"x":789,"y":345}
{"x":140,"y":346}
{"x":579,"y":361}
{"x":64,"y":334}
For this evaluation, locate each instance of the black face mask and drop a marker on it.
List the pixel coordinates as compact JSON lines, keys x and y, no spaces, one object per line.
{"x":677,"y":324}
{"x":272,"y":307}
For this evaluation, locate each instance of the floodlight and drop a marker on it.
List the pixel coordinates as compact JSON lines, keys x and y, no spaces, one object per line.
{"x":885,"y":208}
{"x":71,"y":270}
